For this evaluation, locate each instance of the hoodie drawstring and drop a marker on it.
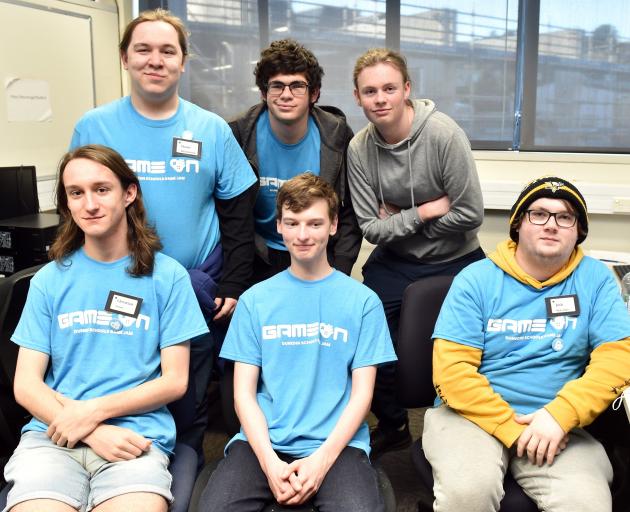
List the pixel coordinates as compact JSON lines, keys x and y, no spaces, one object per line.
{"x":380,"y":185}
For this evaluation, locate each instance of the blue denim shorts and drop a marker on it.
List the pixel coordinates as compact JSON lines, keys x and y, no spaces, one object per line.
{"x":39,"y":469}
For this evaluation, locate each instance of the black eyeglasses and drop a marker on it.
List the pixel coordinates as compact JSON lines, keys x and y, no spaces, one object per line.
{"x":541,"y":217}
{"x":277,"y":88}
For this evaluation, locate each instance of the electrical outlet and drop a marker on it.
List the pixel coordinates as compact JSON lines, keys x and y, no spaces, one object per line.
{"x":621,"y":205}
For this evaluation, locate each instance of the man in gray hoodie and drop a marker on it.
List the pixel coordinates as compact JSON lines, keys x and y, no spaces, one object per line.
{"x":417,"y":197}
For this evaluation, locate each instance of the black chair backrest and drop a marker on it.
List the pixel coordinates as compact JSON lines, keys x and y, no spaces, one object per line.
{"x":13,"y":292}
{"x":421,"y":305}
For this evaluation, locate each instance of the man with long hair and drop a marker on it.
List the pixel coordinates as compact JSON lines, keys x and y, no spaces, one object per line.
{"x":103,"y":348}
{"x":287,"y":134}
{"x":198,"y":187}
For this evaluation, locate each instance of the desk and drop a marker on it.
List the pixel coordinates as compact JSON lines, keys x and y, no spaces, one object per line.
{"x":611,"y":258}
{"x":25,"y":240}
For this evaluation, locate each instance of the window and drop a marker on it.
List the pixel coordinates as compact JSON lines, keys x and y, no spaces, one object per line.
{"x":529,"y":75}
{"x":462,"y":55}
{"x":583,"y":76}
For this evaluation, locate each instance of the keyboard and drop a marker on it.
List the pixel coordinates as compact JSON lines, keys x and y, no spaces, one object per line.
{"x":621,"y":270}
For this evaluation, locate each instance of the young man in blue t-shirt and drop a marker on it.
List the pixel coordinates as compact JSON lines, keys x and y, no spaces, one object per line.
{"x":198,"y":187}
{"x":531,"y":345}
{"x":306,"y":344}
{"x":103,"y":348}
{"x":287,"y":134}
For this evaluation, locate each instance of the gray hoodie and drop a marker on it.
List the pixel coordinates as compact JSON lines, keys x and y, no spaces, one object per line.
{"x":434,"y":160}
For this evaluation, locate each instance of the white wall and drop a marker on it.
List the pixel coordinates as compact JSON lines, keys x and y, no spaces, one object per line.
{"x":71,"y":47}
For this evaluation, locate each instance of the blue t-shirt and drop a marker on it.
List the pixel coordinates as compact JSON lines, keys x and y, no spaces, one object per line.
{"x":179,"y":191}
{"x":528,"y":357}
{"x":279,"y":162}
{"x":93,"y":352}
{"x":307,"y":337}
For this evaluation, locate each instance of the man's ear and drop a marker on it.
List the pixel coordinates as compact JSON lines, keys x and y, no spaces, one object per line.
{"x":124,"y":59}
{"x":407,"y":89}
{"x":130,"y":194}
{"x":333,"y":226}
{"x":314,"y":96}
{"x":357,"y":97}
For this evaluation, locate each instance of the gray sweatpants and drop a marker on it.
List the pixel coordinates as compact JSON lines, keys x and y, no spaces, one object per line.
{"x":469,"y":466}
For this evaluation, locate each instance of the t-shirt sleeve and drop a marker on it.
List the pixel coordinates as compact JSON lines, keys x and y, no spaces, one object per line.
{"x":181,"y":318}
{"x":609,"y":320}
{"x":375,"y":344}
{"x":461,"y":319}
{"x":235,"y":175}
{"x":78,"y":135}
{"x":35,"y":325}
{"x":242,"y":342}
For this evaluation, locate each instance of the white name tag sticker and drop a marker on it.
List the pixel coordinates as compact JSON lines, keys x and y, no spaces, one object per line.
{"x":185,"y":147}
{"x":123,"y":304}
{"x":563,"y":305}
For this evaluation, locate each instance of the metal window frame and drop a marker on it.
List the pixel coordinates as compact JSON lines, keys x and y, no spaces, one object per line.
{"x":526,"y":72}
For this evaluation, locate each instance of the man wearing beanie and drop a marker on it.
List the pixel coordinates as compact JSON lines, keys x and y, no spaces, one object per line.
{"x":531,"y":345}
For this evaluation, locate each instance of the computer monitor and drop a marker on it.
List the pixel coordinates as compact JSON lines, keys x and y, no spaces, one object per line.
{"x":18,"y":191}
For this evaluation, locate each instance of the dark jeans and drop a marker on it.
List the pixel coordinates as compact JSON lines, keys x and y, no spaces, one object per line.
{"x":191,"y":411}
{"x":240,"y":485}
{"x":389,"y":275}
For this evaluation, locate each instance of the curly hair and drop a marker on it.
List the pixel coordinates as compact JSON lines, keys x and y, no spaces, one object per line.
{"x":301,"y":191}
{"x":142,"y":239}
{"x":287,"y":56}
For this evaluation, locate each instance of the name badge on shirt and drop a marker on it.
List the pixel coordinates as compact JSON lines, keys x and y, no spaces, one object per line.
{"x":185,"y":147}
{"x":562,"y":305}
{"x":123,"y":304}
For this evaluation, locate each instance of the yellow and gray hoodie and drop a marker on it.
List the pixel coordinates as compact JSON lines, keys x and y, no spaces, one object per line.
{"x":463,"y":387}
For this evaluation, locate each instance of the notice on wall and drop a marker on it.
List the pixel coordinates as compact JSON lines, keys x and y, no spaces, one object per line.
{"x":28,"y":100}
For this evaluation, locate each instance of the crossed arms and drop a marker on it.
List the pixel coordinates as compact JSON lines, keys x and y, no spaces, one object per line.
{"x":70,"y":421}
{"x":295,"y":483}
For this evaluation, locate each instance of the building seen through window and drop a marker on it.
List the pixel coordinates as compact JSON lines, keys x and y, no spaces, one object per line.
{"x":461,"y":53}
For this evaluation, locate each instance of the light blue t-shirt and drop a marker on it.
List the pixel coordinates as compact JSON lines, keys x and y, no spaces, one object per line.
{"x":94,"y":352}
{"x":528,"y":357}
{"x":307,"y":337}
{"x":179,"y":191}
{"x":279,"y":162}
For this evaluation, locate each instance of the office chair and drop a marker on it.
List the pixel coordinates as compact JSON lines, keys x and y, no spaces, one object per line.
{"x":421,"y":305}
{"x":13,"y":292}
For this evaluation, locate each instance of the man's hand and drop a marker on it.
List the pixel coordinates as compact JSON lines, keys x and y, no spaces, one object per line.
{"x":434,"y":208}
{"x":386,"y":210}
{"x":542,"y":439}
{"x":310,"y":472}
{"x":76,"y":420}
{"x":225,"y":307}
{"x":115,"y":444}
{"x":282,"y":482}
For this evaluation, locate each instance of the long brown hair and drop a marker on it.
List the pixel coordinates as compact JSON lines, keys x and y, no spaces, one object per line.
{"x":142,"y":239}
